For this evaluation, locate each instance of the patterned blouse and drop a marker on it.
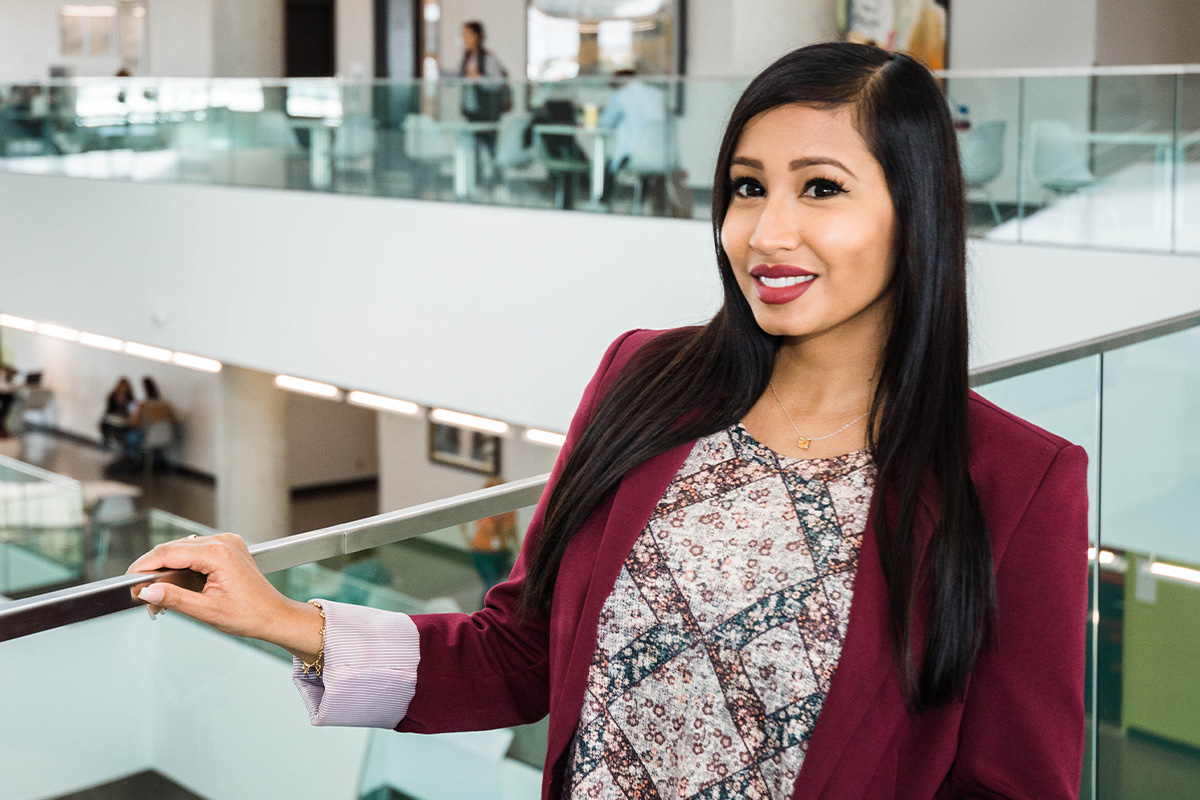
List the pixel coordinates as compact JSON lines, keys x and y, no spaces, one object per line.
{"x":717,"y":645}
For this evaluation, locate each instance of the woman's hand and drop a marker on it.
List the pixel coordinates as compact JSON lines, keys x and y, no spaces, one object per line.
{"x":235,"y":597}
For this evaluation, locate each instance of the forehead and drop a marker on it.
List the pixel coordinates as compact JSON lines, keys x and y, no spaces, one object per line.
{"x":786,"y":132}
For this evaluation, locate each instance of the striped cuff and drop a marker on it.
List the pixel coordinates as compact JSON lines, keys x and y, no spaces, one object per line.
{"x":370,"y":670}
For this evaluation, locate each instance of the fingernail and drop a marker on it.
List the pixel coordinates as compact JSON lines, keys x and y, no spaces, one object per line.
{"x":152,"y":594}
{"x":150,"y":611}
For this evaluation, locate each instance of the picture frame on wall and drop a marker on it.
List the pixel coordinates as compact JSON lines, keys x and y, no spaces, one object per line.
{"x":464,"y":448}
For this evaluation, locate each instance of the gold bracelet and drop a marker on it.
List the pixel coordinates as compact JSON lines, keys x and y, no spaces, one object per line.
{"x":319,"y":661}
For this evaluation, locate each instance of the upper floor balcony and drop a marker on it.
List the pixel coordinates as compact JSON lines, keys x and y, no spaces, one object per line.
{"x":1104,"y":157}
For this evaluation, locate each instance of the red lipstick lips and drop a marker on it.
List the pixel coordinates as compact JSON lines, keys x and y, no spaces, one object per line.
{"x":789,"y":282}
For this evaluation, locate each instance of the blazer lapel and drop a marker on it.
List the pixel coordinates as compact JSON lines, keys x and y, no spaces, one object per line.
{"x":634,"y":502}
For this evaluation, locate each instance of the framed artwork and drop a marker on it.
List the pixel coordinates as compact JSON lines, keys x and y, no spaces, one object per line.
{"x":464,"y":448}
{"x":917,"y":27}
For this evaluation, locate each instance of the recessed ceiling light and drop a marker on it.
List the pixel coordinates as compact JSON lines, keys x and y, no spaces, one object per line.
{"x":468,"y":421}
{"x":385,"y":403}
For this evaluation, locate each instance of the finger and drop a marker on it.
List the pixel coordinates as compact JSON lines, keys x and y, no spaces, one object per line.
{"x":175,"y":598}
{"x":194,"y":555}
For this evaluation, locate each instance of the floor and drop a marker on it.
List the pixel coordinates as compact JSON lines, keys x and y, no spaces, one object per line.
{"x":141,"y":786}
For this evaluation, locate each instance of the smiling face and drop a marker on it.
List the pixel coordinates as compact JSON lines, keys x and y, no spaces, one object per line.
{"x":809,"y":227}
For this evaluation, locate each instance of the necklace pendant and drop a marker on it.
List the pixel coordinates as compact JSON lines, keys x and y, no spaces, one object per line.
{"x":804,"y":443}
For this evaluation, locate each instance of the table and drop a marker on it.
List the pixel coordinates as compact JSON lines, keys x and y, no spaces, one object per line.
{"x":599,"y":138}
{"x":464,"y":152}
{"x":320,"y":147}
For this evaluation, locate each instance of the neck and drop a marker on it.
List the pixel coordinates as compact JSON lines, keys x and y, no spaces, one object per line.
{"x":830,"y":373}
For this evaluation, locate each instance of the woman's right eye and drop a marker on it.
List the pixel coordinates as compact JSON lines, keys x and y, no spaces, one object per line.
{"x":747,"y":187}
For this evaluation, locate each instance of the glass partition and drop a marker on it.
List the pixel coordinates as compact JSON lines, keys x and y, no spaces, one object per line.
{"x":186,"y":708}
{"x":1100,"y":158}
{"x":41,"y":529}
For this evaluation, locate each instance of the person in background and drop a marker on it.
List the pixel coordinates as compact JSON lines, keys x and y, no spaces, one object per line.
{"x":481,"y":103}
{"x":114,"y":425}
{"x":8,"y":394}
{"x":492,"y":545}
{"x":633,"y":107}
{"x":152,"y":409}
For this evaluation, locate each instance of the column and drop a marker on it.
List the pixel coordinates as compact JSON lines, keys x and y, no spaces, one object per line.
{"x":253,"y":497}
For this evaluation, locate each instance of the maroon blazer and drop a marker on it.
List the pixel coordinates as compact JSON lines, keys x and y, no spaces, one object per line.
{"x":1017,"y":734}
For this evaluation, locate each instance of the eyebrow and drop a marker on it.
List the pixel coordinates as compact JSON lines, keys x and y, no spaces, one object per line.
{"x":799,"y":163}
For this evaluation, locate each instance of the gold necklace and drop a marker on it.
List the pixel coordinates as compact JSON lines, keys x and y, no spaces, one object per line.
{"x":804,"y":441}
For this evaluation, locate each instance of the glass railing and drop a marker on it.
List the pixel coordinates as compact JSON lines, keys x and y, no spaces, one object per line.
{"x":1127,"y":399}
{"x":1097,"y":158}
{"x":42,"y":529}
{"x":219,"y":717}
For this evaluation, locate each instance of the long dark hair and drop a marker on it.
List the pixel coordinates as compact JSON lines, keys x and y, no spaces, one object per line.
{"x":693,"y":382}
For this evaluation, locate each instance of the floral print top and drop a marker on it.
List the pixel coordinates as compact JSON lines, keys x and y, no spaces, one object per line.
{"x":718,"y":642}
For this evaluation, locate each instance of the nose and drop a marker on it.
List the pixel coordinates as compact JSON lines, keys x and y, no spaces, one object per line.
{"x":778,"y":226}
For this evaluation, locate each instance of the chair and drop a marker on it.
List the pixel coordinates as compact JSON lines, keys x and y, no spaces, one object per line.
{"x":982,"y":151}
{"x":1059,"y":157}
{"x":354,"y":145}
{"x":160,"y":435}
{"x":427,"y":145}
{"x":35,"y":407}
{"x":560,"y":152}
{"x":655,"y":155}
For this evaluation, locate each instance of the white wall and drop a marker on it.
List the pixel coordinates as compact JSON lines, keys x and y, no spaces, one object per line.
{"x":503,"y":312}
{"x":248,"y":38}
{"x":355,"y":22}
{"x":329,"y":442}
{"x":1022,"y":33}
{"x":407,"y":477}
{"x":498,"y":311}
{"x":1147,"y":32}
{"x":179,"y":39}
{"x":29,"y":42}
{"x":763,"y":30}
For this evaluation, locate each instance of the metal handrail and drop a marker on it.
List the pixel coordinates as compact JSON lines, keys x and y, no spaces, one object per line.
{"x":79,"y":603}
{"x":1091,"y":347}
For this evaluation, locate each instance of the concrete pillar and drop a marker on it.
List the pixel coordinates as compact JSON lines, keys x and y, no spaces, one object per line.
{"x":252,"y":456}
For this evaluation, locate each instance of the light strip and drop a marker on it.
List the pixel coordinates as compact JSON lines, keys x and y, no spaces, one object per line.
{"x":1172,"y":571}
{"x":20,"y":323}
{"x":1091,"y":554}
{"x":545,"y":437}
{"x":196,"y":362}
{"x":303,"y":386}
{"x":146,"y":351}
{"x":468,"y":421}
{"x":58,"y":332}
{"x":385,"y":403}
{"x":101,"y":342}
{"x":1107,"y":556}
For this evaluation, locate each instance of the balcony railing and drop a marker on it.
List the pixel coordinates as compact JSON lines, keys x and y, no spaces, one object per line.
{"x":1105,"y":158}
{"x":221,"y":719}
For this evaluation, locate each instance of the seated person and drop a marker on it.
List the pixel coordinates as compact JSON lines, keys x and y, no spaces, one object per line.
{"x":114,"y":425}
{"x":152,"y":409}
{"x":8,"y":394}
{"x":632,"y":108}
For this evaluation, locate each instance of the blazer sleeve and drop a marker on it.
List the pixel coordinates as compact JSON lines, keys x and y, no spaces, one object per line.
{"x":1022,"y":729}
{"x":490,"y":669}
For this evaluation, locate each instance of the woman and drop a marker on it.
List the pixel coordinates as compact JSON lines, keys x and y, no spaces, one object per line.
{"x":114,"y":425}
{"x":482,"y":102}
{"x":149,"y":412}
{"x":787,"y":553}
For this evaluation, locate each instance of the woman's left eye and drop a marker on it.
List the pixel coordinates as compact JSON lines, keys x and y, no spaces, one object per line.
{"x":823,"y":187}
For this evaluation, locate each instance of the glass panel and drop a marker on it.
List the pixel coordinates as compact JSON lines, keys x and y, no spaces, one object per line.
{"x":1187,"y":166}
{"x":443,"y":571}
{"x":986,"y":114}
{"x":218,"y":716}
{"x":1065,"y":400}
{"x":41,"y":530}
{"x":1151,"y":490}
{"x":1099,"y":156}
{"x":1080,"y":160}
